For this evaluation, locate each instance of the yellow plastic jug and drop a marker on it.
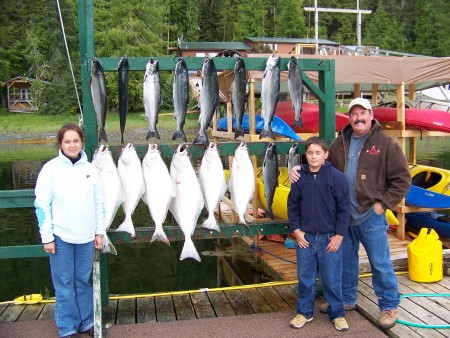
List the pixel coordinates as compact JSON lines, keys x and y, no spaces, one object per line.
{"x":425,"y":257}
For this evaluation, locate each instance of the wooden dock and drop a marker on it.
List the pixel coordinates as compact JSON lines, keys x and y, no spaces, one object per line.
{"x":265,"y":298}
{"x":255,"y":299}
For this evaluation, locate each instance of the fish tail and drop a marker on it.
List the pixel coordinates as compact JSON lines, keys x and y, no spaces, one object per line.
{"x":179,"y":135}
{"x":189,"y":250}
{"x":102,"y":135}
{"x":267,"y":133}
{"x":239,"y":133}
{"x":108,"y":247}
{"x":160,"y":236}
{"x":127,"y":226}
{"x":298,"y":123}
{"x":269,"y":212}
{"x":211,"y":223}
{"x":201,"y":139}
{"x":121,"y":139}
{"x":153,"y":134}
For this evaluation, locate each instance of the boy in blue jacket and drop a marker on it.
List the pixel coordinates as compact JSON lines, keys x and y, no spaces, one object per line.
{"x":319,"y":214}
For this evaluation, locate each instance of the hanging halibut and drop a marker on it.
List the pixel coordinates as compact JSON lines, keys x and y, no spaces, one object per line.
{"x":270,"y":177}
{"x":212,"y":182}
{"x":159,"y":190}
{"x":152,"y":97}
{"x":98,"y":92}
{"x":242,"y":180}
{"x":130,"y":173}
{"x":188,"y":201}
{"x":113,"y":195}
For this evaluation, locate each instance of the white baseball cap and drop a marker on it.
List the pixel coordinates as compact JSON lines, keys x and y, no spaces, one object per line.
{"x":360,"y":102}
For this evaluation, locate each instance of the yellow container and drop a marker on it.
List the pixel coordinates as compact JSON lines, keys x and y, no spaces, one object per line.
{"x":425,"y":257}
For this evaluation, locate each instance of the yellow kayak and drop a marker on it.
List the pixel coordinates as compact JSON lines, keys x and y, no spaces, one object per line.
{"x":28,"y":299}
{"x":279,"y":205}
{"x":431,"y":178}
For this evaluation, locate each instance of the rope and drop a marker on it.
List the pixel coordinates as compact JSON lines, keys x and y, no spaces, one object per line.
{"x":425,"y":326}
{"x":80,"y":122}
{"x":258,"y":249}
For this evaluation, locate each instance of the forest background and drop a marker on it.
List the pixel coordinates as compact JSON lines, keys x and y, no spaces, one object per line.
{"x":32,"y":45}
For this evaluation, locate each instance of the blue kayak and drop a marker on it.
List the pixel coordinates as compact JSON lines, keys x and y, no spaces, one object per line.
{"x":278,"y":126}
{"x":433,"y":220}
{"x":426,"y":198}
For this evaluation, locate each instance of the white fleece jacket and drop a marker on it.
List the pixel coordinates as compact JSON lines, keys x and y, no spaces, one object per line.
{"x":69,"y":201}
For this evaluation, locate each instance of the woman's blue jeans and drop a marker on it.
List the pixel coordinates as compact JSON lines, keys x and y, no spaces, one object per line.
{"x":311,"y":262}
{"x":71,"y":268}
{"x":373,"y":236}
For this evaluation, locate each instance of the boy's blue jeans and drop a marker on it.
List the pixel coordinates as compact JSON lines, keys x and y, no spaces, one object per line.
{"x":71,"y":268}
{"x":314,"y":261}
{"x":373,"y":236}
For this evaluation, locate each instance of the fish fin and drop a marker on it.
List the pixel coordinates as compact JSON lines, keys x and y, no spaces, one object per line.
{"x":201,"y":139}
{"x":189,"y":250}
{"x":102,"y":135}
{"x":153,"y":134}
{"x":298,"y":123}
{"x":179,"y":135}
{"x":121,"y":140}
{"x":160,"y":236}
{"x":127,"y":226}
{"x":267,"y":133}
{"x":239,"y":133}
{"x":211,"y":223}
{"x":108,"y":247}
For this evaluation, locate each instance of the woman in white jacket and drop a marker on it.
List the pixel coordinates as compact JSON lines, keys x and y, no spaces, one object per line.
{"x":70,"y":213}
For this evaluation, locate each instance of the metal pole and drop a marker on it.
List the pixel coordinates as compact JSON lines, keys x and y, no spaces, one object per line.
{"x":316,"y":26}
{"x":358,"y":33}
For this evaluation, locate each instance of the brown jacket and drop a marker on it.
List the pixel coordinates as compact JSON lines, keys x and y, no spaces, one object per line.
{"x":383,"y":174}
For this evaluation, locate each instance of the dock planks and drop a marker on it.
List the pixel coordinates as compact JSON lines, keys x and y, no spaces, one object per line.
{"x":272,"y":297}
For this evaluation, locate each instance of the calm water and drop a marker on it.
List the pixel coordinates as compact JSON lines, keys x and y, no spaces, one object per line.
{"x":142,"y":268}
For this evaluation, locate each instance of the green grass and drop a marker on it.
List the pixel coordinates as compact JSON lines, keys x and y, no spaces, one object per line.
{"x":35,"y":123}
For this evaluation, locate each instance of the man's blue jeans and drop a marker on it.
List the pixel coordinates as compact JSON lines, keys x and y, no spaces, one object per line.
{"x":71,"y":268}
{"x":373,"y":236}
{"x":314,"y":261}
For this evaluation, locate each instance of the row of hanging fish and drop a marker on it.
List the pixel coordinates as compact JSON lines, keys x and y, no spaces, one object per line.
{"x":178,"y":189}
{"x":209,"y":96}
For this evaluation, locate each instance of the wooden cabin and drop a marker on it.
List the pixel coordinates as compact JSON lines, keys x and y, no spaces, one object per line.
{"x":211,"y":49}
{"x":19,"y":95}
{"x":303,"y":46}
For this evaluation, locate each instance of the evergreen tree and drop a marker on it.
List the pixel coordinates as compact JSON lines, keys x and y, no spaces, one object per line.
{"x":290,"y":20}
{"x":386,"y":36}
{"x":251,"y":17}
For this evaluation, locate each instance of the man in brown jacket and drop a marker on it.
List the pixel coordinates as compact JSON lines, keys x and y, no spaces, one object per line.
{"x":379,"y":178}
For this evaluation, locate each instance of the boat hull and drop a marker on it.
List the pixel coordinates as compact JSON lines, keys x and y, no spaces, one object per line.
{"x":310,"y":117}
{"x":428,"y":119}
{"x":426,"y":198}
{"x":431,"y":178}
{"x":431,"y":220}
{"x":279,"y":126}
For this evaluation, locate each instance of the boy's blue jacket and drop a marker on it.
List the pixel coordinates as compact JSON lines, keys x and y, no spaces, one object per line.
{"x":319,"y":202}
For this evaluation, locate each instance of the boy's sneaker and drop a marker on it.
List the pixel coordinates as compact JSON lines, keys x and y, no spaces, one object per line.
{"x":324,"y":307}
{"x":387,"y":319}
{"x":340,"y":324}
{"x":299,"y":321}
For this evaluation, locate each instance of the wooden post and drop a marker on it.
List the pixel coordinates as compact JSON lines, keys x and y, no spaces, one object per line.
{"x":96,"y":283}
{"x":374,"y":94}
{"x":412,"y":91}
{"x":401,"y":118}
{"x":357,"y":90}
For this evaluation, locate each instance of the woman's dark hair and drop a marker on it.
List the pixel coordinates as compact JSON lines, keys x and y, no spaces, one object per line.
{"x":317,"y":140}
{"x":66,"y":127}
